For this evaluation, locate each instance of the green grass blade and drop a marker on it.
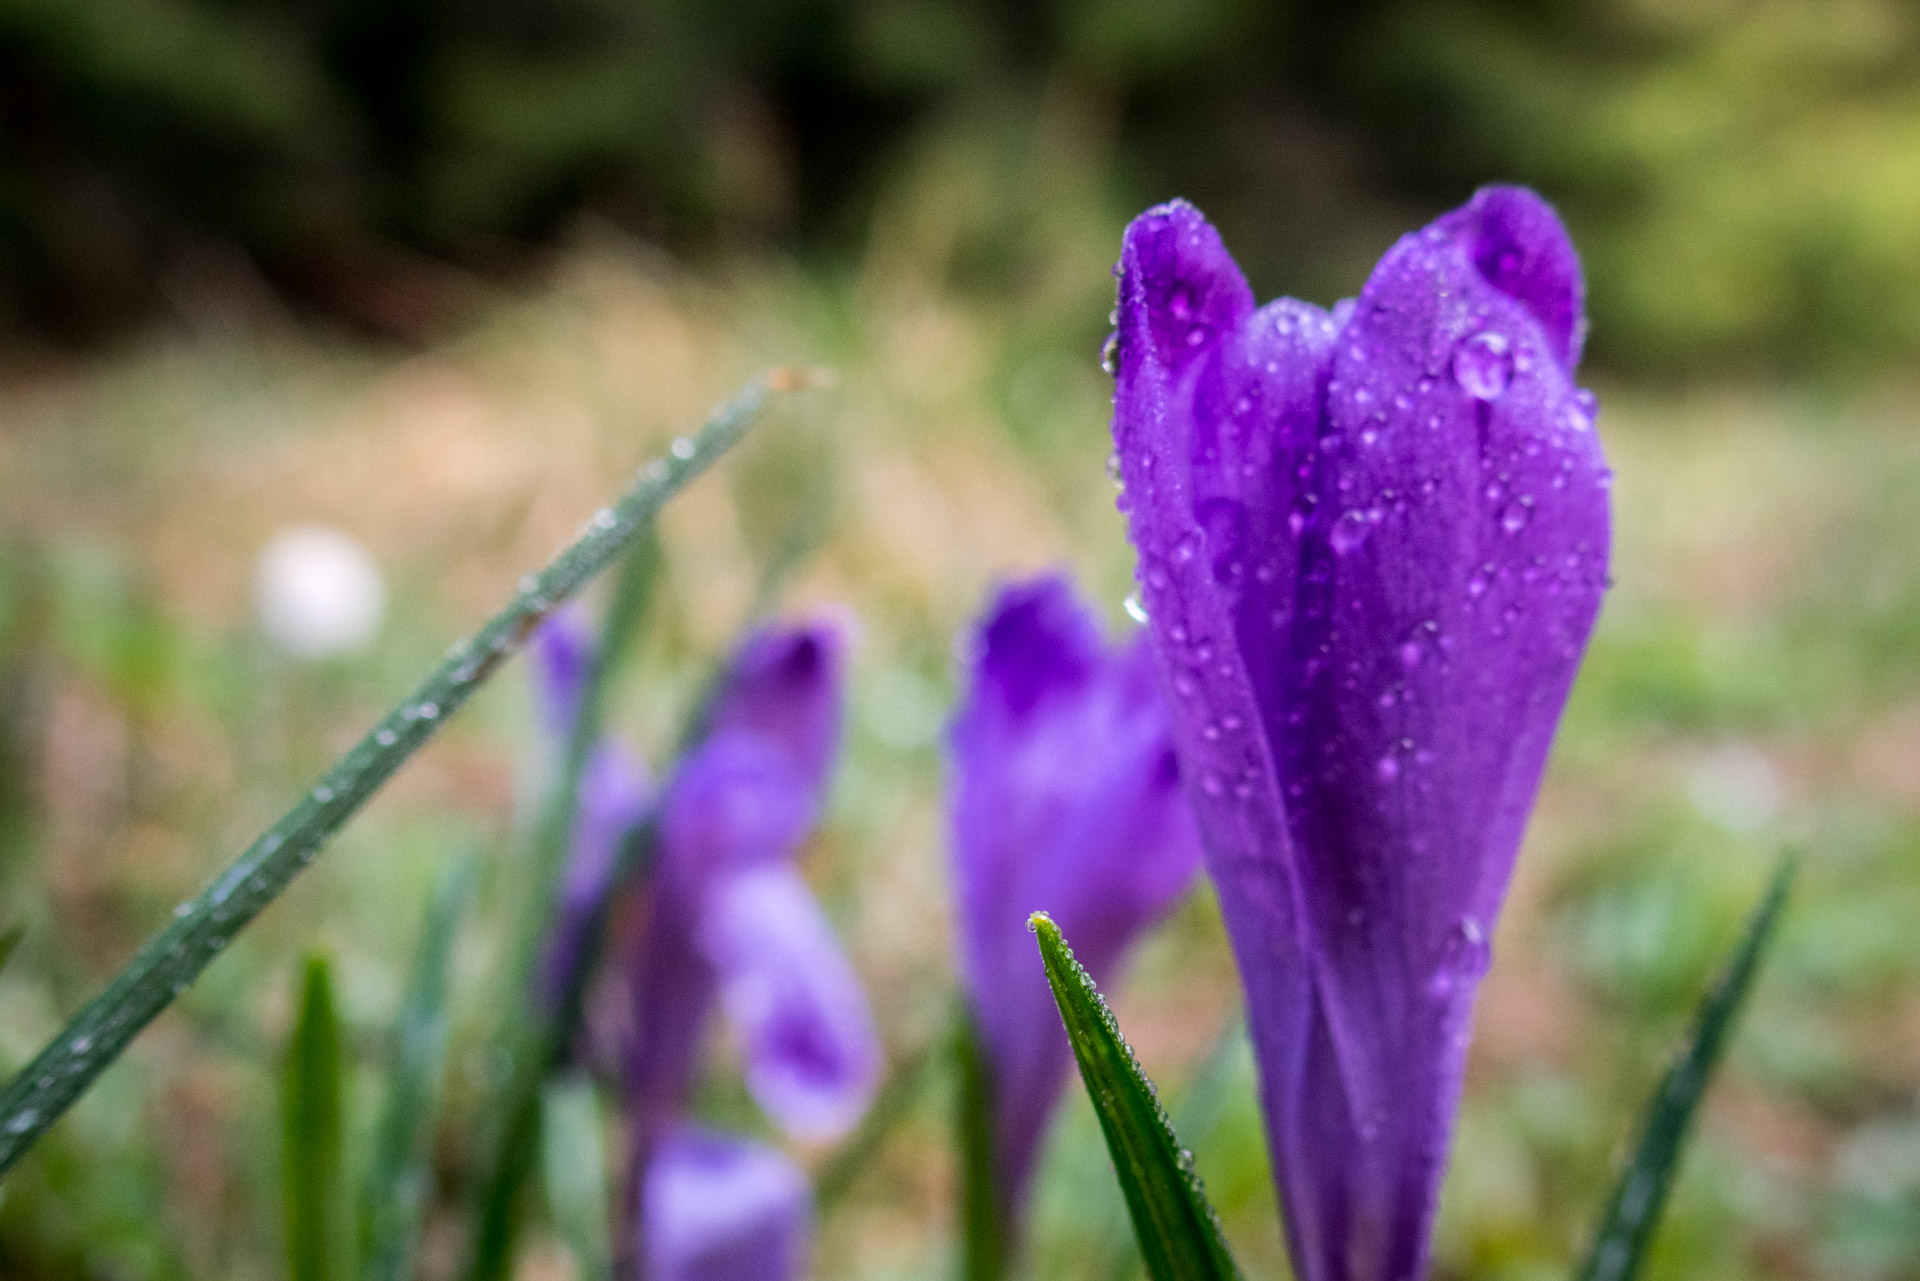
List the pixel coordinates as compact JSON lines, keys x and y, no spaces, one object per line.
{"x":892,"y":1105}
{"x":983,"y":1235}
{"x":1633,"y":1211}
{"x":1179,"y":1235}
{"x":537,"y":1037}
{"x":394,"y":1195}
{"x":310,"y":1115}
{"x":573,"y":1162}
{"x":1195,"y":1112}
{"x":201,"y":927}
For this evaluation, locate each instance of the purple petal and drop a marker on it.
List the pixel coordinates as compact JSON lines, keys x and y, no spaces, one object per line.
{"x":714,"y":1208}
{"x":1371,"y":559}
{"x":735,"y":804}
{"x":812,"y":1055}
{"x":1065,"y":798}
{"x":785,"y":684}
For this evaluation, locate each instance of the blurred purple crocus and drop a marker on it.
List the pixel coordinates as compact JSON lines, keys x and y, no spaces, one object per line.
{"x":1372,"y":543}
{"x":1065,"y":798}
{"x":728,"y":921}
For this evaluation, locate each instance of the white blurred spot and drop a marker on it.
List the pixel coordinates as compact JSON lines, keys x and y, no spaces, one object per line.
{"x":1735,"y":787}
{"x":317,"y":592}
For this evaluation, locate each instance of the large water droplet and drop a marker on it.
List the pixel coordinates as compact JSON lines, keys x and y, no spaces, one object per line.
{"x":1349,"y":531}
{"x":1225,"y":521}
{"x":1483,"y":365}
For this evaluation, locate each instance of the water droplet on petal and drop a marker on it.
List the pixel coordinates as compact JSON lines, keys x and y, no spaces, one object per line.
{"x":1517,"y":514}
{"x":1483,"y":365}
{"x":1135,"y":610}
{"x":1349,"y":531}
{"x":1110,"y":353}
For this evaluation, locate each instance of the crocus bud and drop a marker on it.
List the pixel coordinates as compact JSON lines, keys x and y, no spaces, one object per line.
{"x":1064,"y":798}
{"x":1372,"y":543}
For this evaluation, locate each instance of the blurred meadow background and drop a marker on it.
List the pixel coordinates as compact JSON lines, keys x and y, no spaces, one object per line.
{"x":441,"y":276}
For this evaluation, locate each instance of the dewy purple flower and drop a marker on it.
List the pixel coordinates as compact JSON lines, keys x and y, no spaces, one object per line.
{"x":1372,"y":545}
{"x":1065,"y":798}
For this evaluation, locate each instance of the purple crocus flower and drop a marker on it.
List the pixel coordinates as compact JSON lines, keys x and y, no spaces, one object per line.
{"x":1065,"y":798}
{"x":726,"y":921}
{"x":730,"y":921}
{"x":1372,"y":544}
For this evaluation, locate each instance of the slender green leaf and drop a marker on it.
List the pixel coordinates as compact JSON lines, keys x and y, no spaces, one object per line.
{"x":537,"y":1036}
{"x":395,"y":1193}
{"x":1633,"y":1211}
{"x":310,"y":1112}
{"x":201,"y":927}
{"x":1195,"y":1112}
{"x":574,"y":1169}
{"x":1179,"y":1234}
{"x":10,"y":939}
{"x":893,"y":1104}
{"x":983,"y":1232}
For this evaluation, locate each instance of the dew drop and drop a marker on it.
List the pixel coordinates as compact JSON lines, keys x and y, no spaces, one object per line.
{"x":1135,"y":610}
{"x":1349,"y":531}
{"x":657,"y":470}
{"x":681,"y":448}
{"x":386,"y":738}
{"x":22,"y":1121}
{"x":604,"y":518}
{"x":1110,"y":353}
{"x":1483,"y":366}
{"x":429,"y":710}
{"x":1516,"y":515}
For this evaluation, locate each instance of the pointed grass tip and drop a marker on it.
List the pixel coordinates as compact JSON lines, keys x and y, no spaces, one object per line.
{"x":801,"y":378}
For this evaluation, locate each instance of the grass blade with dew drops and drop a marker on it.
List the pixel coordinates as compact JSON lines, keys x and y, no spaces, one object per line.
{"x":1178,"y":1232}
{"x":312,"y":1166}
{"x":1633,"y":1211}
{"x":537,"y":1037}
{"x":394,"y":1196}
{"x":1195,"y":1112}
{"x":174,"y":957}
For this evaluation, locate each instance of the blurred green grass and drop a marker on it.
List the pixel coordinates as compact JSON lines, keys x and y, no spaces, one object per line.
{"x":1755,"y":681}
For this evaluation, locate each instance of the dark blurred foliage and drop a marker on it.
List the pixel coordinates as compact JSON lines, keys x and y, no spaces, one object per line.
{"x":1742,"y":175}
